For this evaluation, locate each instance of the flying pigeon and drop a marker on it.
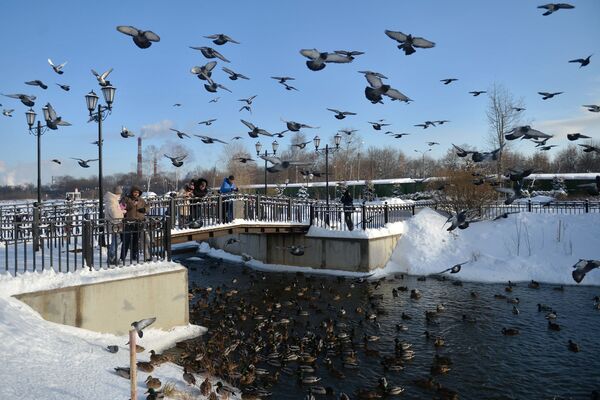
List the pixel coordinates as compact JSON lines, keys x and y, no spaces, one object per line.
{"x":57,"y":161}
{"x":244,"y":160}
{"x":432,"y":143}
{"x":296,"y":126}
{"x":592,"y":107}
{"x":7,"y":113}
{"x":458,"y":220}
{"x":513,"y":193}
{"x":126,"y":133}
{"x":399,"y":135}
{"x":576,"y":136}
{"x":207,"y":122}
{"x":340,"y":114}
{"x":37,"y":82}
{"x":55,"y":121}
{"x":486,"y":156}
{"x":142,"y":39}
{"x":280,"y":134}
{"x":177,"y":105}
{"x":582,"y":61}
{"x":282,"y":79}
{"x":518,"y":109}
{"x":476,"y":93}
{"x":84,"y":163}
{"x":57,"y":68}
{"x":547,"y":95}
{"x":525,"y":132}
{"x":209,"y":140}
{"x":180,"y":133}
{"x":248,"y":100}
{"x":254,"y":130}
{"x":454,"y":269}
{"x":66,"y":88}
{"x":236,"y":138}
{"x":317,"y":60}
{"x":139,"y":326}
{"x":221,"y":39}
{"x":592,"y":188}
{"x":448,"y":80}
{"x":553,"y":7}
{"x":408,"y":42}
{"x":348,"y":131}
{"x":212,"y":86}
{"x":25,"y":99}
{"x":377,"y":88}
{"x":378,"y":125}
{"x":289,"y":87}
{"x":301,"y":145}
{"x":588,"y":148}
{"x":177,"y":161}
{"x":209,"y":52}
{"x":102,"y":77}
{"x":205,"y":71}
{"x":351,"y":54}
{"x":461,"y":152}
{"x":548,"y":147}
{"x":234,"y":75}
{"x":440,"y":122}
{"x":247,"y":108}
{"x":582,"y":267}
{"x":216,"y":99}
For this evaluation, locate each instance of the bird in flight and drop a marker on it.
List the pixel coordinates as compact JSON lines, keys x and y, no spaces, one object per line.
{"x":84,"y":163}
{"x":377,"y":88}
{"x":26,"y":99}
{"x":207,"y":122}
{"x":547,"y":95}
{"x":57,"y":68}
{"x":209,"y":52}
{"x":340,"y":114}
{"x":66,"y":88}
{"x":592,"y":107}
{"x":220,"y":39}
{"x":102,"y":77}
{"x":142,"y":39}
{"x":234,"y":75}
{"x":582,"y":61}
{"x":177,"y":161}
{"x":408,"y":42}
{"x":37,"y":82}
{"x":317,"y":60}
{"x":448,"y":80}
{"x":180,"y":134}
{"x":553,"y":7}
{"x":126,"y":133}
{"x":476,"y":93}
{"x":209,"y":140}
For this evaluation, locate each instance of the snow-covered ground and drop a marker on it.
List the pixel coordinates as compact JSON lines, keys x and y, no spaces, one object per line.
{"x":44,"y":360}
{"x":522,"y":247}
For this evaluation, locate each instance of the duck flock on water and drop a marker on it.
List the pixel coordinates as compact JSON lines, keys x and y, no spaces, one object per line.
{"x":302,"y":335}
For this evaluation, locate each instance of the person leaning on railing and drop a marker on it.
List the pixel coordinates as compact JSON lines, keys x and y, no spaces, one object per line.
{"x":186,"y":193}
{"x":228,"y":187}
{"x":114,"y":212}
{"x":200,"y":186}
{"x":135,"y":213}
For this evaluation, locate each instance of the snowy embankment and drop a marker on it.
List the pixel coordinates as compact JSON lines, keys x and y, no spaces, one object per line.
{"x":522,"y":247}
{"x":44,"y":360}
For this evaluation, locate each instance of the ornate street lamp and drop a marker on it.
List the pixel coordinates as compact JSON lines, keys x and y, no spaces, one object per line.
{"x":337,"y":138}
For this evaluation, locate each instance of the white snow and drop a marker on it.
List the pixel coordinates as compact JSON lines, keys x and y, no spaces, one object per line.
{"x":524,"y":246}
{"x":395,"y":228}
{"x":44,"y":360}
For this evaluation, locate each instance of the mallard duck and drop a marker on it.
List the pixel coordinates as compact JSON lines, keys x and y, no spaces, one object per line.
{"x":439,"y":369}
{"x":158,"y":359}
{"x":543,"y":307}
{"x":533,"y":285}
{"x":154,"y":395}
{"x":415,"y":294}
{"x":510,"y":331}
{"x":145,"y":366}
{"x":123,"y":372}
{"x":574,"y":347}
{"x":205,"y":387}
{"x":553,"y":326}
{"x":513,"y":301}
{"x":153,"y":383}
{"x":551,"y":315}
{"x":515,"y":310}
{"x":189,"y":378}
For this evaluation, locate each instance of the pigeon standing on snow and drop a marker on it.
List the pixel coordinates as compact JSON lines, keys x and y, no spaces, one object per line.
{"x":142,"y":39}
{"x":408,"y":42}
{"x":220,"y":39}
{"x":139,"y":326}
{"x":582,"y":267}
{"x":57,"y":68}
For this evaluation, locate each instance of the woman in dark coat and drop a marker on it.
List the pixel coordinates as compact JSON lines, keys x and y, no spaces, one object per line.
{"x":348,"y":203}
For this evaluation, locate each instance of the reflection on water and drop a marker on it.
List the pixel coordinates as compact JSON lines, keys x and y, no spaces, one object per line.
{"x":485,"y":364}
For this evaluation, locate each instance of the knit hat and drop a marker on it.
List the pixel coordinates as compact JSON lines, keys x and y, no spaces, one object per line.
{"x":118,"y":189}
{"x":135,"y":188}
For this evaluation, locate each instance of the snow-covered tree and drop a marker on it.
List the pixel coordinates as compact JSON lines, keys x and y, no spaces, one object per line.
{"x":368,"y":193}
{"x":397,"y":190}
{"x":558,"y":184}
{"x":303,"y":192}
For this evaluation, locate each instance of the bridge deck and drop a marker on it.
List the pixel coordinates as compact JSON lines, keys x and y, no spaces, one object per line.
{"x":188,"y":235}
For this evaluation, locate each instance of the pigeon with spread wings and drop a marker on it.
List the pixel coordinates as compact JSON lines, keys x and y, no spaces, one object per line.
{"x":317,"y":60}
{"x":409,"y":42}
{"x":142,"y":39}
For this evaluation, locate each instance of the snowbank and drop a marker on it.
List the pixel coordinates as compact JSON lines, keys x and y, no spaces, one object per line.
{"x":395,"y":228}
{"x":521,"y":247}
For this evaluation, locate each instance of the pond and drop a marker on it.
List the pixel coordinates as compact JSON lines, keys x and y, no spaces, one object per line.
{"x":346,"y":329}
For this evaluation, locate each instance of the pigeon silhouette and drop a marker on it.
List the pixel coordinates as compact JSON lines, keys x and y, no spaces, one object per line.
{"x":553,"y":7}
{"x":476,"y":93}
{"x":340,"y":114}
{"x":177,"y":161}
{"x":57,"y":161}
{"x":142,"y":39}
{"x":408,"y":42}
{"x":84,"y":163}
{"x":296,"y":126}
{"x":57,"y":68}
{"x":547,"y":95}
{"x":576,"y":136}
{"x":282,"y":79}
{"x":582,"y":61}
{"x":205,"y":71}
{"x":220,"y":39}
{"x":209,"y":52}
{"x":583,"y":267}
{"x":378,"y":125}
{"x":448,"y":81}
{"x":254,"y":130}
{"x":55,"y":121}
{"x":377,"y":88}
{"x":207,"y":122}
{"x":180,"y":134}
{"x":209,"y":140}
{"x":37,"y":82}
{"x":592,"y":107}
{"x":66,"y":88}
{"x":27,"y":100}
{"x":317,"y":60}
{"x":234,"y":75}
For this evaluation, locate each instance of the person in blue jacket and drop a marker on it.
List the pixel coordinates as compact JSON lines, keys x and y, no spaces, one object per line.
{"x":228,"y":187}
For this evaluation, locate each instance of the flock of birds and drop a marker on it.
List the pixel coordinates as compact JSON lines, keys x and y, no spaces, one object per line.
{"x":375,"y":92}
{"x":267,"y":331}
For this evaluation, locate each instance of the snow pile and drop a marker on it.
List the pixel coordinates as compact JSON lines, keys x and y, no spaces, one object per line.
{"x":395,"y":228}
{"x":44,"y":360}
{"x":521,"y":247}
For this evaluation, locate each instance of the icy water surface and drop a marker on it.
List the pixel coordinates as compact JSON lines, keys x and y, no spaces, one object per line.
{"x":535,"y":364}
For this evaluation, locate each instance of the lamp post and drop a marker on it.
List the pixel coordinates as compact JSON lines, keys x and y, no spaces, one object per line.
{"x":326,"y":150}
{"x":422,"y":160}
{"x":266,"y":154}
{"x":91,"y":99}
{"x":38,"y":132}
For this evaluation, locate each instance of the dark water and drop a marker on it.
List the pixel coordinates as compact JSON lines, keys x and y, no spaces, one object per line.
{"x":536,"y":364}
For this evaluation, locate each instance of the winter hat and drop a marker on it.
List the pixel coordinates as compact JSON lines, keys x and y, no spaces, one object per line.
{"x":118,"y":190}
{"x":135,"y":188}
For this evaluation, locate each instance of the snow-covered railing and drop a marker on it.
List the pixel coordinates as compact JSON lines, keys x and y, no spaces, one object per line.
{"x":493,"y":210}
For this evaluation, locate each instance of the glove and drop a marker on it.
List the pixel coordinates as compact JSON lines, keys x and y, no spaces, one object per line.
{"x":142,"y":210}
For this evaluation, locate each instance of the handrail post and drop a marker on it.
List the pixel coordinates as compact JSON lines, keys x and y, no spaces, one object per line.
{"x":167,"y":239}
{"x":587,"y":206}
{"x":258,"y":210}
{"x":386,"y":211}
{"x":364,"y":215}
{"x":413,"y":209}
{"x":87,"y":242}
{"x":35,"y":227}
{"x":311,"y":213}
{"x":172,"y":211}
{"x":220,"y":208}
{"x":289,"y":211}
{"x":529,"y":205}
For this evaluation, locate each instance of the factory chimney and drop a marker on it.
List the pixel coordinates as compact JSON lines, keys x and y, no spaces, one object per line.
{"x":139,"y":159}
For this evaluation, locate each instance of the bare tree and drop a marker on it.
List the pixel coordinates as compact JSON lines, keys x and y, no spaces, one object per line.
{"x":502,"y":115}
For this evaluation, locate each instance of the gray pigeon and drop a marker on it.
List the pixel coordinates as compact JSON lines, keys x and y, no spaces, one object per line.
{"x":455,"y":268}
{"x":27,"y":100}
{"x":340,"y":114}
{"x":589,"y":148}
{"x":592,"y":107}
{"x":548,"y":95}
{"x":408,"y":42}
{"x":221,"y":39}
{"x":209,"y":140}
{"x":37,"y":82}
{"x":66,"y":88}
{"x":57,"y":68}
{"x":377,"y":88}
{"x":207,"y":122}
{"x":180,"y":133}
{"x":254,"y":130}
{"x":525,"y":132}
{"x":7,"y":113}
{"x":126,"y":133}
{"x":448,"y":81}
{"x":234,"y":75}
{"x":205,"y":71}
{"x":317,"y":60}
{"x":123,"y":372}
{"x":84,"y":163}
{"x":140,"y":325}
{"x":582,"y":61}
{"x":378,"y":125}
{"x":282,"y":79}
{"x":582,"y":267}
{"x":476,"y":93}
{"x":102,"y":77}
{"x":209,"y":52}
{"x":142,"y":39}
{"x":55,"y":121}
{"x":553,"y":7}
{"x":296,"y":126}
{"x":212,"y":86}
{"x":112,"y":348}
{"x":460,"y":152}
{"x":458,"y":220}
{"x":177,"y":161}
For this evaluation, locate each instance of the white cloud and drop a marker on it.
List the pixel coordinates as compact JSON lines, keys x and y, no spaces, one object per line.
{"x":156,"y":129}
{"x":587,"y":123}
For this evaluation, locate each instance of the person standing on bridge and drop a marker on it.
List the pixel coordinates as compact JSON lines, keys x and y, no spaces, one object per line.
{"x":348,"y":203}
{"x":228,"y":187}
{"x":200,"y":191}
{"x":114,"y":212}
{"x":135,"y":212}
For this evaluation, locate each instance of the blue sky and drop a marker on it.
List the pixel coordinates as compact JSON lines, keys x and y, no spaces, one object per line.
{"x":478,"y":42}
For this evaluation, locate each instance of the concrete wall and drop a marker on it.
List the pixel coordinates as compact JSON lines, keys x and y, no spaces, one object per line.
{"x":357,"y":255}
{"x":111,"y":306}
